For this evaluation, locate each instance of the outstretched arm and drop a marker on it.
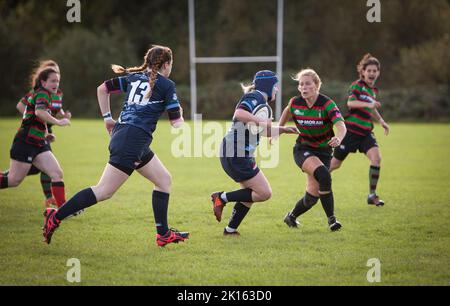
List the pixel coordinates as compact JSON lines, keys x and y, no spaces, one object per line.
{"x":284,"y":116}
{"x":281,"y":125}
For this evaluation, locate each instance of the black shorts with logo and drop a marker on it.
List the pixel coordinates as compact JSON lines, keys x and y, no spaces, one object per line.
{"x":129,"y":148}
{"x":353,"y":142}
{"x":302,"y":153}
{"x":25,"y":152}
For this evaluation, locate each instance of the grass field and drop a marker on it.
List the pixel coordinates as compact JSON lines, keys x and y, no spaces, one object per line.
{"x":115,"y":240}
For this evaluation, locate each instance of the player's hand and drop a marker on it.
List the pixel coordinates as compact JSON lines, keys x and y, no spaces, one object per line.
{"x":374,"y":105}
{"x":109,"y":124}
{"x":63,"y":122}
{"x":288,"y":130}
{"x":334,"y":142}
{"x":67,"y":114}
{"x":385,"y":127}
{"x":50,"y":138}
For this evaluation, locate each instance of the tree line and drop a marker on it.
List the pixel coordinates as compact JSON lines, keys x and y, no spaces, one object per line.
{"x":412,"y":41}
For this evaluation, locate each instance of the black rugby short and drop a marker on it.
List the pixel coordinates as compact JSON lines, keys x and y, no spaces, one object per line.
{"x":129,"y":148}
{"x":26,"y":153}
{"x":302,"y":153}
{"x":353,"y":142}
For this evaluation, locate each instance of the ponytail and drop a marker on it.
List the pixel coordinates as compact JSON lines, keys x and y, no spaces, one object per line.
{"x":247,"y":88}
{"x":120,"y":69}
{"x":154,"y":59}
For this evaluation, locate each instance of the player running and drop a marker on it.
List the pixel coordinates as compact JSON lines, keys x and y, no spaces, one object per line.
{"x":57,"y":111}
{"x":150,"y":93}
{"x":314,"y":115}
{"x":363,"y":108}
{"x":238,"y":147}
{"x":30,"y":146}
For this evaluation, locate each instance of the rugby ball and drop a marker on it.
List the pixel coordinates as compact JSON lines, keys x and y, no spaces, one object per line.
{"x":262,"y":111}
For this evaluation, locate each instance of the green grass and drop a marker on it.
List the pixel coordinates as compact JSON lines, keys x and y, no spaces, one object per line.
{"x":115,"y":240}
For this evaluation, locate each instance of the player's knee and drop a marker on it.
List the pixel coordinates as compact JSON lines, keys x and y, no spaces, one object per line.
{"x":14,"y":181}
{"x":164,"y":182}
{"x":376,"y":160}
{"x":102,"y":193}
{"x":56,"y":175}
{"x":265,"y":194}
{"x":322,"y":175}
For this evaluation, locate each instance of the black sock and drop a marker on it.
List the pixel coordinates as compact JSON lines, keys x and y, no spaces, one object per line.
{"x":241,"y":195}
{"x":304,"y":204}
{"x":327,"y":203}
{"x":3,"y":180}
{"x":46,"y":184}
{"x":83,"y":199}
{"x":238,"y":214}
{"x":374,"y":175}
{"x":160,"y":202}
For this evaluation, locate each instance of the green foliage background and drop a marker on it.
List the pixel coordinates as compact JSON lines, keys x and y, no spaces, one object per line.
{"x":412,"y":41}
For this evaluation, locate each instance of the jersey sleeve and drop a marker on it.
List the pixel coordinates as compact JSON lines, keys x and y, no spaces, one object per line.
{"x":353,"y":92}
{"x":25,"y":98}
{"x":247,"y":104}
{"x":42,"y":101}
{"x":333,"y":112}
{"x":171,"y":99}
{"x":117,"y":85}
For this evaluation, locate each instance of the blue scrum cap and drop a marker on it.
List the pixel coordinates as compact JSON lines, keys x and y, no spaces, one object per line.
{"x":264,"y":81}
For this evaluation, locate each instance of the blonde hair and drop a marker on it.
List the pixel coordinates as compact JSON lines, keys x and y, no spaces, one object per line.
{"x":154,"y":59}
{"x":311,"y":73}
{"x":247,"y":88}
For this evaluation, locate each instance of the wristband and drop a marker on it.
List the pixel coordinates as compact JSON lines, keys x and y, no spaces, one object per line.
{"x":107,"y":116}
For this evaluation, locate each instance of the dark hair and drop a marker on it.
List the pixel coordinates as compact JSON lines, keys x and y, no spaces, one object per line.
{"x":155,"y":57}
{"x":42,"y":65}
{"x":367,"y":60}
{"x":43,"y":75}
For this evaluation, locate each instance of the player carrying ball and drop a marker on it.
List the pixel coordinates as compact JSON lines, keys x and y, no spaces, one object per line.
{"x":238,"y":147}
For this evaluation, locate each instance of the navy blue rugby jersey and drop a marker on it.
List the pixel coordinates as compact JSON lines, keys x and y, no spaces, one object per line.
{"x":138,"y":110}
{"x":239,"y":141}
